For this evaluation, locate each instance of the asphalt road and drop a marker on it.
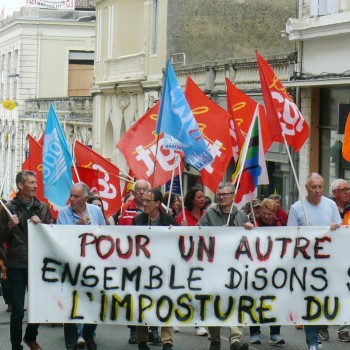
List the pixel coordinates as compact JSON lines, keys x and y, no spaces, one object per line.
{"x":116,"y":337}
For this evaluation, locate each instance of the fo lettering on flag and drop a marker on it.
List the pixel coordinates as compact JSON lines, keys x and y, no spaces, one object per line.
{"x":176,"y":121}
{"x":57,"y":161}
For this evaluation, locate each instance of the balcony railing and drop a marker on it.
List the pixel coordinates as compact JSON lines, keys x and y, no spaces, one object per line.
{"x":125,"y":68}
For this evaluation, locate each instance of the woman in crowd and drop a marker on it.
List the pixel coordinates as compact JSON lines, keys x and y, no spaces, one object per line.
{"x":267,"y":217}
{"x":194,"y":209}
{"x":96,"y":200}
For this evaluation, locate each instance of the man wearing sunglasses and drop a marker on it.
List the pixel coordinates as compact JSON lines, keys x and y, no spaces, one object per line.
{"x":341,"y":196}
{"x":218,"y":215}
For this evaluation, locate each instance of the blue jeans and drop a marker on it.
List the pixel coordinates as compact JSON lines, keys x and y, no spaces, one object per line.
{"x":71,"y":334}
{"x":311,"y":333}
{"x":18,"y":282}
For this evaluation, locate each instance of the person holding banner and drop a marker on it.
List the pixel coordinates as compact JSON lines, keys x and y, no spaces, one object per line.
{"x":341,"y":196}
{"x":79,"y":212}
{"x":194,"y":203}
{"x":153,"y":216}
{"x":314,"y":210}
{"x":268,"y":217}
{"x":14,"y":218}
{"x":218,"y":215}
{"x":125,"y":216}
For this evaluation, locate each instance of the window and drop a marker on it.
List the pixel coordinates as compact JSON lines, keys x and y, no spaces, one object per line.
{"x":323,"y":7}
{"x":154,"y":28}
{"x":81,"y":66}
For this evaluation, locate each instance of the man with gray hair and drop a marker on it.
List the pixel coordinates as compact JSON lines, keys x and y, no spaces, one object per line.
{"x":14,"y":231}
{"x":341,"y":196}
{"x":321,"y":211}
{"x":79,"y":212}
{"x":218,"y":215}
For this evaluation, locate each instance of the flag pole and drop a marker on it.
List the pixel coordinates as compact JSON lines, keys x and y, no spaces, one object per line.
{"x":252,"y":212}
{"x":127,"y":176}
{"x":171,"y":187}
{"x":78,"y":178}
{"x":3,"y":184}
{"x":295,"y":177}
{"x":244,"y":154}
{"x":6,"y":209}
{"x":181,"y":189}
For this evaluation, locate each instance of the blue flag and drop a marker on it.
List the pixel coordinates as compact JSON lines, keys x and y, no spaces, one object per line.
{"x":175,"y":119}
{"x":57,"y":162}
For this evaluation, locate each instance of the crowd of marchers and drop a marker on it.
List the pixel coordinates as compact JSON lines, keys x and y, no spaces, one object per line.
{"x":149,"y":207}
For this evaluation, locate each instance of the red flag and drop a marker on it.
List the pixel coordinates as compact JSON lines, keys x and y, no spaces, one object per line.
{"x":213,"y":122}
{"x":34,"y":163}
{"x":139,"y":148}
{"x":282,"y":113}
{"x":103,"y":180}
{"x":242,"y":108}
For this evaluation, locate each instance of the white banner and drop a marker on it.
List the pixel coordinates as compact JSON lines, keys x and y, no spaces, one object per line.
{"x":189,"y":276}
{"x":52,"y":4}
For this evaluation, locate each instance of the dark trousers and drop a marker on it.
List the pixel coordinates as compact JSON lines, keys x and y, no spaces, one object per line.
{"x":256,"y":329}
{"x":71,"y":334}
{"x":17,"y":283}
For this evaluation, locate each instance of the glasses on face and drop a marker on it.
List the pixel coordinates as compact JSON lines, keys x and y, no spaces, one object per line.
{"x":315,"y":187}
{"x":223,"y":195}
{"x":140,"y":190}
{"x":147,"y":201}
{"x":344,"y":190}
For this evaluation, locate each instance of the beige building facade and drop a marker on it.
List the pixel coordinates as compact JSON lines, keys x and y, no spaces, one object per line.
{"x":322,"y":33}
{"x":206,"y":40}
{"x":45,"y":56}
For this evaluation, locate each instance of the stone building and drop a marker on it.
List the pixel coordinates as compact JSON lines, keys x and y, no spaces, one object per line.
{"x":45,"y":56}
{"x":208,"y":40}
{"x":321,"y":32}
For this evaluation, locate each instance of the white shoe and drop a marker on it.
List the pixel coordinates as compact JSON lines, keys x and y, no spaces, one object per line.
{"x":201,"y":331}
{"x":81,"y":343}
{"x":176,"y":329}
{"x":312,"y":347}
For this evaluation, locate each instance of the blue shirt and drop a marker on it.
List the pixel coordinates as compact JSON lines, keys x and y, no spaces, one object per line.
{"x":322,"y":214}
{"x":66,"y":215}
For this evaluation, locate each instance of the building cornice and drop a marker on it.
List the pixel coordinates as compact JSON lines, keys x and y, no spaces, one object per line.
{"x":318,"y":27}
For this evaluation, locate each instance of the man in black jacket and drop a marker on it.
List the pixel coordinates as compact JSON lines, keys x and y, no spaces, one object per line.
{"x":153,"y":216}
{"x":14,"y":230}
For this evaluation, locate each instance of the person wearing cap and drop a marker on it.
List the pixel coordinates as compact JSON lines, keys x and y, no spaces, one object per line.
{"x":255,"y":204}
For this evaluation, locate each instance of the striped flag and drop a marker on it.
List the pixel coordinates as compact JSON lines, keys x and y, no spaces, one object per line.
{"x":251,"y":166}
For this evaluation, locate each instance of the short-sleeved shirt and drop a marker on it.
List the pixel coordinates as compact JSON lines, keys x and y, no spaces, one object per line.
{"x":322,"y":214}
{"x":66,"y":215}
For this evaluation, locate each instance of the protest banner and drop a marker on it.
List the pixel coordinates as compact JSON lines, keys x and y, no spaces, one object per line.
{"x":187,"y":276}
